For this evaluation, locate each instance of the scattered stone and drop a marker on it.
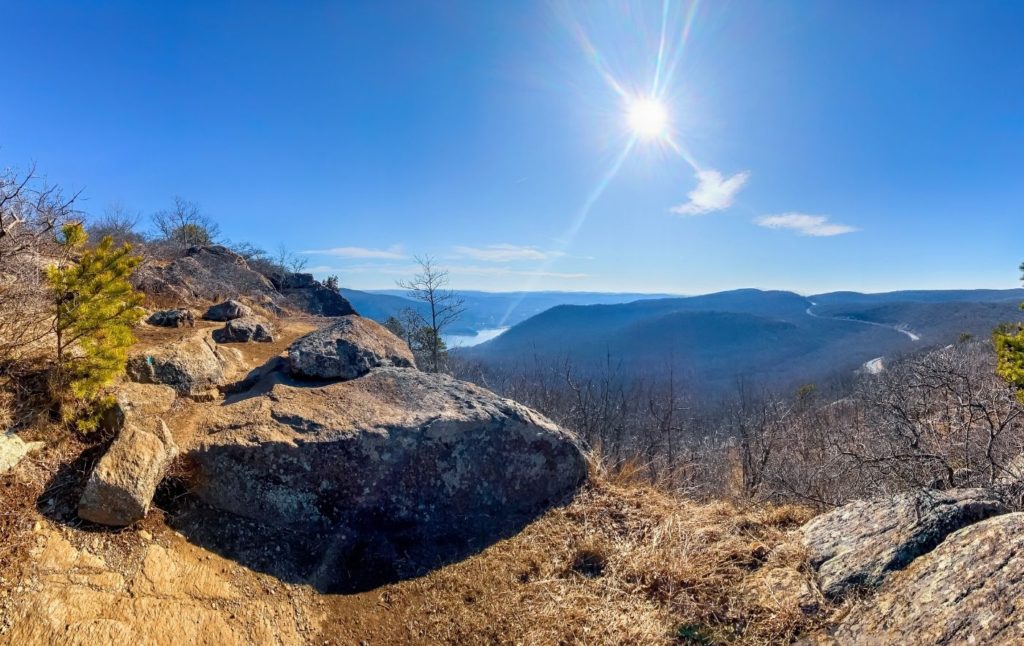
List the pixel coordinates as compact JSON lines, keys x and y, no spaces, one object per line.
{"x":189,"y":366}
{"x":144,"y":535}
{"x":172,"y":318}
{"x":227,"y":311}
{"x":347,"y":349}
{"x":13,"y":450}
{"x":966,"y":591}
{"x":862,"y":543}
{"x":122,"y":485}
{"x":246,"y":329}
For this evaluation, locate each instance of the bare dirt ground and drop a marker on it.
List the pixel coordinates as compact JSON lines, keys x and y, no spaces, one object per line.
{"x":623,"y":563}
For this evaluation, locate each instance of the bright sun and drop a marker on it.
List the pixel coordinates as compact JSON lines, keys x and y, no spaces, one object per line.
{"x":648,"y":118}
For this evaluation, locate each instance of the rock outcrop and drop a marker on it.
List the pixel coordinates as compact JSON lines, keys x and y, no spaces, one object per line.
{"x":172,"y":318}
{"x":204,"y":274}
{"x":227,"y":311}
{"x":862,"y":543}
{"x":246,"y":329}
{"x":966,"y":591}
{"x":213,"y":273}
{"x":190,"y":366}
{"x":347,"y":349}
{"x":406,"y":462}
{"x":309,"y":295}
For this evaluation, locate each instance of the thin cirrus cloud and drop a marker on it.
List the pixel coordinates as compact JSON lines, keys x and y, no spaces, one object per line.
{"x":713,"y":193}
{"x":391,"y":253}
{"x":505,"y":253}
{"x":805,"y":225}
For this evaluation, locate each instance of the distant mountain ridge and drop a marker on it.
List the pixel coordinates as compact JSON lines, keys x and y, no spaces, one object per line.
{"x":774,"y":338}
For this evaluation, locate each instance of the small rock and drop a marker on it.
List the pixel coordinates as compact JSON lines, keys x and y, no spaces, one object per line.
{"x":245,"y":329}
{"x":189,"y":366}
{"x":227,"y":311}
{"x":144,"y":535}
{"x":172,"y":318}
{"x":13,"y":450}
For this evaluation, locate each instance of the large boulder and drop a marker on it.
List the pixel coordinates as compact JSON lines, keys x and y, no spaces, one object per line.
{"x":396,"y":458}
{"x":245,"y":330}
{"x":190,"y":366}
{"x":172,"y":318}
{"x":227,"y":311}
{"x":862,"y":543}
{"x":968,"y":590}
{"x":346,"y":349}
{"x":121,"y":487}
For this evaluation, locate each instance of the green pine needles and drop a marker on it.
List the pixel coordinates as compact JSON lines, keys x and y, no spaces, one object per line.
{"x":95,"y":311}
{"x":1009,"y":342}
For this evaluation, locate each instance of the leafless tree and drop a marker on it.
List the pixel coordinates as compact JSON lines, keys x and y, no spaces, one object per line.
{"x":290,"y":261}
{"x":443,"y":305}
{"x":185,"y":225}
{"x":118,"y":222}
{"x":30,"y":213}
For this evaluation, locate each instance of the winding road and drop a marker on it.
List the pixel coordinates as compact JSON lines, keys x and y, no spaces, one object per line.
{"x":876,"y":365}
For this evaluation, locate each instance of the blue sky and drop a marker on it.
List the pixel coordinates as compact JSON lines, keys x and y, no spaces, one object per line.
{"x":813,"y":146}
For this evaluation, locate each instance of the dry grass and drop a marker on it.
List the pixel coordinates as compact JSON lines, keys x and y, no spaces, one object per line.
{"x":622,"y":564}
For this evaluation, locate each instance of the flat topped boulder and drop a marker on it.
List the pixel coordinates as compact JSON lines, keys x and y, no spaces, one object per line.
{"x":247,"y":329}
{"x":348,"y":348}
{"x":421,"y":462}
{"x":862,"y":543}
{"x":227,"y":311}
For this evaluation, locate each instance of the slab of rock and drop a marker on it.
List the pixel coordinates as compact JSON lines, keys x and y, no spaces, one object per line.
{"x":227,"y":311}
{"x":968,"y":590}
{"x":244,"y":330}
{"x":346,"y":349}
{"x":121,"y":487}
{"x":13,"y":450}
{"x":172,"y":318}
{"x":396,"y":453}
{"x":189,"y":366}
{"x":310,"y":295}
{"x":860,"y":544}
{"x":207,"y":273}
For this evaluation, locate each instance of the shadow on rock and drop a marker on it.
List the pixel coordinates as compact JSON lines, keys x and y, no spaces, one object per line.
{"x":59,"y":500}
{"x":353,"y":555}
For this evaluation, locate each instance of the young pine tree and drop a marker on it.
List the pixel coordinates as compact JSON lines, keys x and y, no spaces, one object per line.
{"x":95,"y":310}
{"x":1009,"y":342}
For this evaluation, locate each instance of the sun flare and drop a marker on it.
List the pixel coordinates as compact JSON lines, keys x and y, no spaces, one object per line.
{"x":648,"y":118}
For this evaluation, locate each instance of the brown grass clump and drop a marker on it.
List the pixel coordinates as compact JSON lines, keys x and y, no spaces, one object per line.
{"x":622,"y":564}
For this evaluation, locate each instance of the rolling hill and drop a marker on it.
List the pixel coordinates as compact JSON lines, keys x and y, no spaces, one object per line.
{"x":774,"y":338}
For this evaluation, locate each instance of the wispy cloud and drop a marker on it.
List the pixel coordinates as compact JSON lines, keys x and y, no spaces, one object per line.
{"x":713,"y":193}
{"x":391,"y":253}
{"x":455,"y":270}
{"x":506,"y":253}
{"x":805,"y":225}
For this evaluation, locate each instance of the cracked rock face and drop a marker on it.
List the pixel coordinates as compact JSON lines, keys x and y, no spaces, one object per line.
{"x":862,"y":543}
{"x":347,"y":349}
{"x":966,"y":591}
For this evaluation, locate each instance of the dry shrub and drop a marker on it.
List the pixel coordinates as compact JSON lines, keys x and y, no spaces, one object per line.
{"x":622,"y":564}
